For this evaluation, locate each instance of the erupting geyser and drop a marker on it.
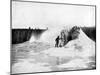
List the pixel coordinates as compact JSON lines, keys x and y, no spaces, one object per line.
{"x":36,"y":34}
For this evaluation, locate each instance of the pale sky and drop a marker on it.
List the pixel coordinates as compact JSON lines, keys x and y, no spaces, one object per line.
{"x":30,"y":14}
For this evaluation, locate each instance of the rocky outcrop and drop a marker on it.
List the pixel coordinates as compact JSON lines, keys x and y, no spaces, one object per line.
{"x":67,"y":35}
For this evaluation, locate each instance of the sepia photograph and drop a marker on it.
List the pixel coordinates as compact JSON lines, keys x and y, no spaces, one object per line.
{"x":52,"y":37}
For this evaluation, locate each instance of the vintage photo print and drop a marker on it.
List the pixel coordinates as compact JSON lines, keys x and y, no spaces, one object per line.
{"x":52,"y":37}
